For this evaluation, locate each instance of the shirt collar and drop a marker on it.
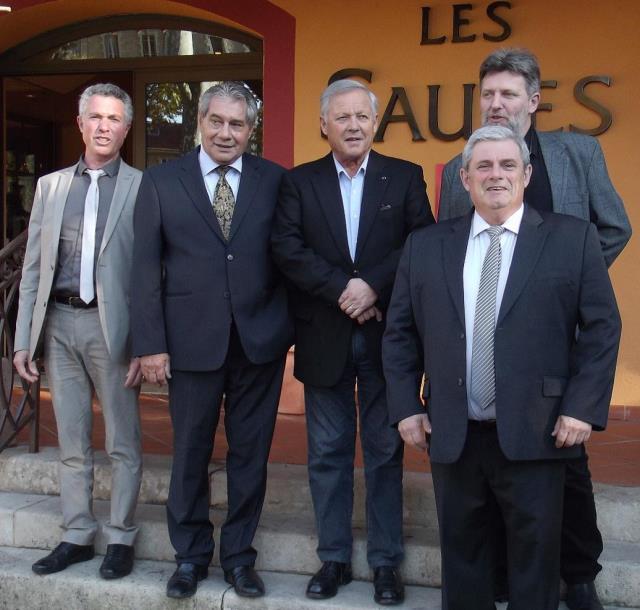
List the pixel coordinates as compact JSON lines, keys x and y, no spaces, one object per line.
{"x":110,"y":169}
{"x":512,"y":223}
{"x":208,"y":165}
{"x":340,"y":169}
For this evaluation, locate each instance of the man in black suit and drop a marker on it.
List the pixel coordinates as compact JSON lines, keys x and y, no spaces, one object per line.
{"x":209,"y":317}
{"x":340,"y":226}
{"x":569,"y":176}
{"x":486,"y":307}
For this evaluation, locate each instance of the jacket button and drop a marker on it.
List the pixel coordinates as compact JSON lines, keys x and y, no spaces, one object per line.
{"x":462,"y":335}
{"x":355,"y":272}
{"x":460,"y":382}
{"x":229,"y":257}
{"x":226,"y":295}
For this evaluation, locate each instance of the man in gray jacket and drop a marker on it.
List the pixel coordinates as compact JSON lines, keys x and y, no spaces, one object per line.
{"x":74,"y":298}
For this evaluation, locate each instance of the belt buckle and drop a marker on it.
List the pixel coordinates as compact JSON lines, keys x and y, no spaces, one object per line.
{"x":76,"y":302}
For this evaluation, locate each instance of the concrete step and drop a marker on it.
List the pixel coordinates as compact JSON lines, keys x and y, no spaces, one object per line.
{"x":80,"y":588}
{"x":288,"y":490}
{"x":286,"y":544}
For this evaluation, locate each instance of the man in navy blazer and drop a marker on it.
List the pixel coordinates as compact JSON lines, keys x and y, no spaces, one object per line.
{"x":340,"y":226}
{"x":569,"y":177}
{"x":209,"y":316}
{"x":550,"y":385}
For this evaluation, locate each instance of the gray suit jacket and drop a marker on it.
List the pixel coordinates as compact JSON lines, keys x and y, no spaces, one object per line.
{"x":580,"y":186}
{"x":112,"y":270}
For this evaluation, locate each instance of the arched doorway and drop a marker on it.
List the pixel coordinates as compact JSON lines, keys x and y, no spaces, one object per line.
{"x":162,"y":61}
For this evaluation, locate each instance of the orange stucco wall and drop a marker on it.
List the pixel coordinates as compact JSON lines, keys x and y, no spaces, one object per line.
{"x":572,"y":38}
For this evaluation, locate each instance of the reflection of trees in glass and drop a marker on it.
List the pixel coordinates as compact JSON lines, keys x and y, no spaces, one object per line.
{"x":175,"y":103}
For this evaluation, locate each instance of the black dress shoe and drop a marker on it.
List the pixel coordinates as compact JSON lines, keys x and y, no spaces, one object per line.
{"x":62,"y":557}
{"x":325,"y":582}
{"x":583,"y":596}
{"x":118,"y":561}
{"x":184,"y":581}
{"x":387,"y":586}
{"x":245,"y":581}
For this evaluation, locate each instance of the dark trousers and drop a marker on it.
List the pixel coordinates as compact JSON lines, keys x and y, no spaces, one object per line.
{"x":251,"y":394}
{"x":331,"y":430}
{"x":581,"y":544}
{"x":528,"y":495}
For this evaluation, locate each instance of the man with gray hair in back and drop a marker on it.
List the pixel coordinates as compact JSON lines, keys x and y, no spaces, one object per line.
{"x":485,"y":309}
{"x":569,"y":176}
{"x":74,"y":307}
{"x":210,"y":319}
{"x":340,"y":226}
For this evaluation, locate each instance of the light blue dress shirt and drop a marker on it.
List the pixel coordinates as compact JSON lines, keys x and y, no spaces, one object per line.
{"x":351,"y":191}
{"x":211,"y":177}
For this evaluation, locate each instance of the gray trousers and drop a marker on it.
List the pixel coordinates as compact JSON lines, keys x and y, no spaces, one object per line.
{"x":77,"y":362}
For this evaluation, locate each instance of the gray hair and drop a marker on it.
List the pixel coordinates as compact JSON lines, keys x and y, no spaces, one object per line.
{"x":494,"y":133}
{"x":107,"y":90}
{"x":518,"y":61}
{"x":234,"y":90}
{"x":342,"y":86}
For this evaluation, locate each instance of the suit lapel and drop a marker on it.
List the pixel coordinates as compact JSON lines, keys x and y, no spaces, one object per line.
{"x":193,"y":183}
{"x":249,"y":180}
{"x":375,"y":187}
{"x":58,"y":198}
{"x":120,"y":197}
{"x":531,"y":238}
{"x":327,"y":189}
{"x":454,"y":250}
{"x":556,"y":162}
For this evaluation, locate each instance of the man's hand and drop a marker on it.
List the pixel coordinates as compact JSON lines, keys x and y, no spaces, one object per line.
{"x":356,"y":298}
{"x":570,"y":431}
{"x":367,"y":314}
{"x":26,"y":369}
{"x":413,"y":430}
{"x":155,"y":368}
{"x":134,"y":374}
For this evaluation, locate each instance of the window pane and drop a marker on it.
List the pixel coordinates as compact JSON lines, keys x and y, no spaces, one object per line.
{"x":146,"y":43}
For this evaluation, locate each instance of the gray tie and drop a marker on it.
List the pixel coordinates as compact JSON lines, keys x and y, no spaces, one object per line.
{"x":87,"y":291}
{"x":223,"y":201}
{"x":483,"y":374}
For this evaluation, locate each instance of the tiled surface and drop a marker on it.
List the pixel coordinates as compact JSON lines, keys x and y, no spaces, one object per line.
{"x":614,"y":454}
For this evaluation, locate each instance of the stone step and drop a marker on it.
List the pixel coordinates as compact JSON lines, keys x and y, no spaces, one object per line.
{"x":286,"y":544}
{"x":288,"y":490}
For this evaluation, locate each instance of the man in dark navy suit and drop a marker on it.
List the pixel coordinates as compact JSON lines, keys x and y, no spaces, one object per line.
{"x":485,"y":307}
{"x":209,"y":316}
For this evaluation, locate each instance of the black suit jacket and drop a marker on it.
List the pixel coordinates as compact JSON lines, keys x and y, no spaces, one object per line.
{"x":189,"y":283}
{"x":557,"y":281}
{"x":310,"y":246}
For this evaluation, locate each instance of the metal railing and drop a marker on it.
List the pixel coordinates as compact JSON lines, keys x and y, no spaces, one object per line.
{"x":19,"y":400}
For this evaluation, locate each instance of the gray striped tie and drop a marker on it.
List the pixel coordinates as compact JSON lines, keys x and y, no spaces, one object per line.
{"x":483,"y":374}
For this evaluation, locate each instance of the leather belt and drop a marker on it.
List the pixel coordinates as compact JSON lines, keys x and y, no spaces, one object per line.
{"x":483,"y":424}
{"x":76,"y":302}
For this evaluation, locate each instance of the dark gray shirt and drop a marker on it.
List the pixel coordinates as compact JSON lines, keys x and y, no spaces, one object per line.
{"x":67,"y":278}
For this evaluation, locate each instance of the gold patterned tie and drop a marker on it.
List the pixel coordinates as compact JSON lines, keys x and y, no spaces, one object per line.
{"x":223,"y":201}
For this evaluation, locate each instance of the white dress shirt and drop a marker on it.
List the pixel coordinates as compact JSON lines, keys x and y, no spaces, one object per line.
{"x":211,"y":177}
{"x":351,"y":191}
{"x":476,"y":250}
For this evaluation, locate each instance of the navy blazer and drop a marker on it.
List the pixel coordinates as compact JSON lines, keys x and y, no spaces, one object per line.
{"x":557,"y":281}
{"x":310,"y":246}
{"x":580,"y":187}
{"x":189,"y":284}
